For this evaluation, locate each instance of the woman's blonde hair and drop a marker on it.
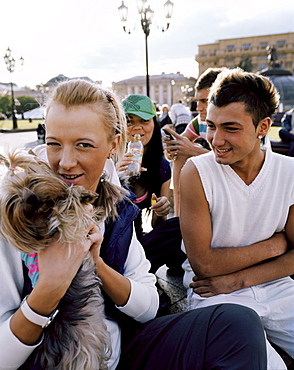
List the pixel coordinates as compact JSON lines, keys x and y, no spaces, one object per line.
{"x":80,"y":92}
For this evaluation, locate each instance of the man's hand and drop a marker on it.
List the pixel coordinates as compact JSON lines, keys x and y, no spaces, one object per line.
{"x":181,"y":146}
{"x":211,"y":286}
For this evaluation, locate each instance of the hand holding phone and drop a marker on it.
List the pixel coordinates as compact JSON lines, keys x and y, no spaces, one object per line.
{"x":168,"y":134}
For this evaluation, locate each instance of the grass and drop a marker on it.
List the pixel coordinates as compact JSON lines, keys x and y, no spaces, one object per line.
{"x":274,"y":133}
{"x":21,"y":123}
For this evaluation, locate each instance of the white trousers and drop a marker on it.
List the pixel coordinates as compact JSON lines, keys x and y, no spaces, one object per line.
{"x":273,"y":302}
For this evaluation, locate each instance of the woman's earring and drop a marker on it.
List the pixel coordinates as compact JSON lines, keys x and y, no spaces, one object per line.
{"x":259,"y":137}
{"x":103,"y":177}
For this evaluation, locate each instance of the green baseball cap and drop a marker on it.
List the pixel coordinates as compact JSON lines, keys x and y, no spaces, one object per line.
{"x":140,"y":105}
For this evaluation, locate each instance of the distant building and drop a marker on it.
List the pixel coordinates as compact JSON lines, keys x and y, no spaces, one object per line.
{"x":5,"y":89}
{"x":41,"y":92}
{"x":164,"y":89}
{"x":251,"y":50}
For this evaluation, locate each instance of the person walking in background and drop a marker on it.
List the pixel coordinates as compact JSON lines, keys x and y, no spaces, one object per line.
{"x":240,"y":248}
{"x":180,"y":116}
{"x":164,"y":118}
{"x":286,"y":133}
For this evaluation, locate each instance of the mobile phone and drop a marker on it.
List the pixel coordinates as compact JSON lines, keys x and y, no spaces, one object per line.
{"x":168,"y":134}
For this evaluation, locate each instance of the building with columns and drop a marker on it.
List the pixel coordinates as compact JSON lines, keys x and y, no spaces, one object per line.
{"x":164,"y":89}
{"x":254,"y":50}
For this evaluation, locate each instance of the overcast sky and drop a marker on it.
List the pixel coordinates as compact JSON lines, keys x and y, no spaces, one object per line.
{"x":85,"y":37}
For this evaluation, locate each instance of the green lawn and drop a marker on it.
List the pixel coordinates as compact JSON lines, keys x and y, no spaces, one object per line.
{"x":21,"y":123}
{"x":274,"y":133}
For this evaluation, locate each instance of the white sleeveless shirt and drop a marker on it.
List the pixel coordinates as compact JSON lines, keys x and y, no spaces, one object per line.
{"x":245,"y":214}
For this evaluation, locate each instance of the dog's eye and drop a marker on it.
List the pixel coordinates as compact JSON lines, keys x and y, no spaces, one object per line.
{"x":33,"y":199}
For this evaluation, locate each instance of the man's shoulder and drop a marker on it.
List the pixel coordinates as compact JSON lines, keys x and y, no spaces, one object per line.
{"x":206,"y":158}
{"x":282,"y":158}
{"x":282,"y":163}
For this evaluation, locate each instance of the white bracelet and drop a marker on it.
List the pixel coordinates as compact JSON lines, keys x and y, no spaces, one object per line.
{"x":35,"y":318}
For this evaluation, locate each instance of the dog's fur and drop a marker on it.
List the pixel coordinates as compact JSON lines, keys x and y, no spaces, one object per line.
{"x":34,"y":205}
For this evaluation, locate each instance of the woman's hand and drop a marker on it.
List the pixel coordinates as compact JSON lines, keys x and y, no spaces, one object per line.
{"x":124,"y":164}
{"x":96,"y":238}
{"x":59,"y":263}
{"x":160,"y":205}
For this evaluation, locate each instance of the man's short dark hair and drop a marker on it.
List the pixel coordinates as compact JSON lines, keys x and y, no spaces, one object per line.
{"x":257,"y":92}
{"x":207,"y":78}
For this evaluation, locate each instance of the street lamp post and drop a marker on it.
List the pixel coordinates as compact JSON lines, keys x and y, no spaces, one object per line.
{"x":172,"y":82}
{"x":146,"y":14}
{"x":10,"y":65}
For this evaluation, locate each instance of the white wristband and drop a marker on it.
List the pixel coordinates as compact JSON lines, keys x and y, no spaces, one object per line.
{"x":35,"y":318}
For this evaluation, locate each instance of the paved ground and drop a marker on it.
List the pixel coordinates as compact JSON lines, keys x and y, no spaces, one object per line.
{"x":174,"y":288}
{"x":24,"y":140}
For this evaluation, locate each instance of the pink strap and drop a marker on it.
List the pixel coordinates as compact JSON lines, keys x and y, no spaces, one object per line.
{"x":143,"y":197}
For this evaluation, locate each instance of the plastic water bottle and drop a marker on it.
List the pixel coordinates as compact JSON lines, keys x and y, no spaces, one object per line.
{"x":136,"y":148}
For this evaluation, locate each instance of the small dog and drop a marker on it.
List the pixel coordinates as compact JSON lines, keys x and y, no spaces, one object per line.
{"x":34,"y":205}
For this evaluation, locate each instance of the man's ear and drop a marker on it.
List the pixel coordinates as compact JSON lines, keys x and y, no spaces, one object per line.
{"x":264,"y":126}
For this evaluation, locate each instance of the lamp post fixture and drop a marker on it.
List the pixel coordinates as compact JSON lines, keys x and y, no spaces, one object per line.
{"x":10,"y":65}
{"x":146,"y":14}
{"x":172,"y":82}
{"x":186,"y":91}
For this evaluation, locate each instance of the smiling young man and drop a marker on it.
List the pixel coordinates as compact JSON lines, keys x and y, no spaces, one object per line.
{"x":239,"y":199}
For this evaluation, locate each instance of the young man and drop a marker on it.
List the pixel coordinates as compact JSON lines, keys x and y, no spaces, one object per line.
{"x":239,"y":199}
{"x":183,"y":147}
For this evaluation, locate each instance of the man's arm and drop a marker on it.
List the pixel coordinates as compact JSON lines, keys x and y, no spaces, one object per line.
{"x":268,"y":271}
{"x":196,"y":229}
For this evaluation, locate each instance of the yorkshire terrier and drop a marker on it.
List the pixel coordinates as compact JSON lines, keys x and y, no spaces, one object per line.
{"x":35,"y":205}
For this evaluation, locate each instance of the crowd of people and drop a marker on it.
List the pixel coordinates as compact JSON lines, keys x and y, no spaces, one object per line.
{"x":231,"y":237}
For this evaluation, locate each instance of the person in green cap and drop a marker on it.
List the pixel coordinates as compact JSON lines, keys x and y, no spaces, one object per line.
{"x":163,"y":243}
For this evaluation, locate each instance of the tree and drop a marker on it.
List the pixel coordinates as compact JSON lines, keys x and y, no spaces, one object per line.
{"x":5,"y":103}
{"x":26,"y":103}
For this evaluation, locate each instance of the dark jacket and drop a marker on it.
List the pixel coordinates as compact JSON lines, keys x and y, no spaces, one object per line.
{"x":287,"y":122}
{"x":118,"y":235}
